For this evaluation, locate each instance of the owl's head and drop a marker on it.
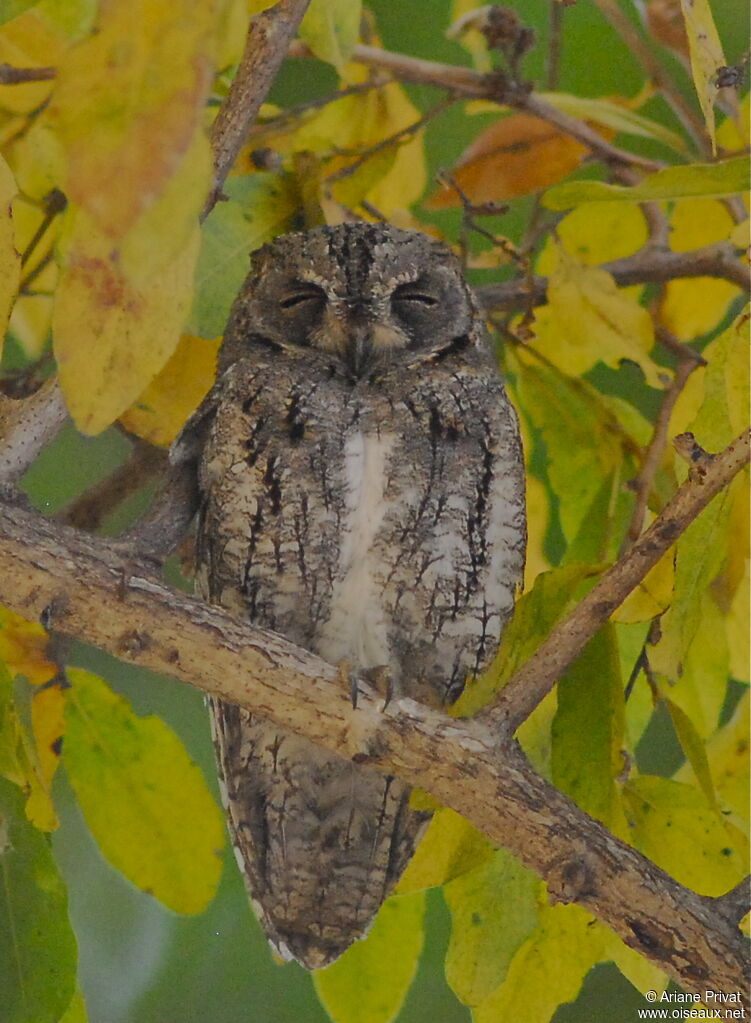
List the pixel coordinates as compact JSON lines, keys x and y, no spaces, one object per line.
{"x":365,"y":295}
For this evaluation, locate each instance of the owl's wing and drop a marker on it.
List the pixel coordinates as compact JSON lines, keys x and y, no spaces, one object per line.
{"x":320,"y":841}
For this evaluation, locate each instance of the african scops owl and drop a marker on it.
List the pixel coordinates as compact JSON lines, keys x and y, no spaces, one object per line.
{"x":361,"y":493}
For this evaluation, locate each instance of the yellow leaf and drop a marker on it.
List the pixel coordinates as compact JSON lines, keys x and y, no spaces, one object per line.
{"x":538,"y":516}
{"x":128,"y":103}
{"x":736,"y":624}
{"x":692,"y":308}
{"x":493,"y":911}
{"x":734,"y":132}
{"x":641,"y":972}
{"x":722,"y":383}
{"x":727,"y":751}
{"x":390,"y":178}
{"x":21,"y":759}
{"x":676,"y":827}
{"x":450,"y":848}
{"x":47,"y":710}
{"x":700,"y":688}
{"x":700,"y":553}
{"x":28,"y":41}
{"x":651,"y":596}
{"x":596,"y":234}
{"x":331,"y":29}
{"x":371,"y":980}
{"x":549,"y":968}
{"x":47,"y":724}
{"x":113,"y":333}
{"x":23,"y":647}
{"x":705,"y":52}
{"x":10,"y":260}
{"x":589,"y":320}
{"x":30,"y":322}
{"x":175,"y":392}
{"x":144,"y":800}
{"x":693,"y":749}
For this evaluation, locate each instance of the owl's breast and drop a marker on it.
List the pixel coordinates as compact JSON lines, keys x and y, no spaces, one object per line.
{"x":357,"y":627}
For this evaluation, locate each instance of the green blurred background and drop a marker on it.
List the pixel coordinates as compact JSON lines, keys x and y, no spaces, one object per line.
{"x":140,"y":963}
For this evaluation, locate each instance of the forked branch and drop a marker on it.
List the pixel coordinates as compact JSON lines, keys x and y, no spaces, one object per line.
{"x":84,"y":588}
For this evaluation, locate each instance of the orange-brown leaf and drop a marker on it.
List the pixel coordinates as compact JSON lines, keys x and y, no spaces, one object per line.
{"x":515,"y":156}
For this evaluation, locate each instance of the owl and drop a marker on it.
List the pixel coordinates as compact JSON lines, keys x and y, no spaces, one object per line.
{"x":361,"y":493}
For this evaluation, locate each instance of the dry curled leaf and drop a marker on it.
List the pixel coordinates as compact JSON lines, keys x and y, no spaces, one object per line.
{"x":515,"y":156}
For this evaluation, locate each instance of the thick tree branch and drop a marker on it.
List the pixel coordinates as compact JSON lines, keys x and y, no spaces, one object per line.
{"x":525,"y":689}
{"x":26,"y":426}
{"x":75,"y":584}
{"x":269,"y":36}
{"x":650,"y":265}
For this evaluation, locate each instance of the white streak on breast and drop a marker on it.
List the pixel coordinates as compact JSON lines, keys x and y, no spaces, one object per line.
{"x":357,"y":628}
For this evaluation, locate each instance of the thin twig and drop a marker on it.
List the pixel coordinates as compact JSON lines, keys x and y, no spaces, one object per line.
{"x":524,"y":691}
{"x":269,"y":36}
{"x":398,"y":138}
{"x":657,"y":74}
{"x":555,"y":46}
{"x":10,"y":75}
{"x":642,"y":485}
{"x":54,"y":203}
{"x":275,"y":124}
{"x":89,"y":509}
{"x":650,"y":265}
{"x":469,"y":83}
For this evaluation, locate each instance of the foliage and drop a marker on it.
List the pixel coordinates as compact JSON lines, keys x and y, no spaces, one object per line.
{"x":126,"y":292}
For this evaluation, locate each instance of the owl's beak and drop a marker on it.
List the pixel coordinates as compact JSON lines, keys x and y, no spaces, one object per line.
{"x":361,"y":348}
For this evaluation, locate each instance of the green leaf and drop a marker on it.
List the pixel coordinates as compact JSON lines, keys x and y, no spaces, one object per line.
{"x":331,"y":29}
{"x":693,"y":746}
{"x":493,"y":911}
{"x":548,"y":969}
{"x":552,"y":595}
{"x":259,"y":207}
{"x":586,"y":761}
{"x":371,"y":980}
{"x":10,"y":9}
{"x":585,"y":442}
{"x":699,"y":556}
{"x":674,"y":825}
{"x":144,"y":800}
{"x":706,"y":56}
{"x":37,"y":947}
{"x":451,"y":847}
{"x":615,"y":116}
{"x":76,"y":1011}
{"x":684,"y":182}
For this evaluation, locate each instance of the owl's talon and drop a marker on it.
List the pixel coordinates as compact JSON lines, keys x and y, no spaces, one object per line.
{"x":383,"y":681}
{"x":348,"y":677}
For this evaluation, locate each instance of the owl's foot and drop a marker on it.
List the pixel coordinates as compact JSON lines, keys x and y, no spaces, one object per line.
{"x":379,"y":677}
{"x":383,"y":682}
{"x":349,"y":679}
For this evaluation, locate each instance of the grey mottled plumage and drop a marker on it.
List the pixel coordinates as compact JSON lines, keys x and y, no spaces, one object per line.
{"x":361,"y":493}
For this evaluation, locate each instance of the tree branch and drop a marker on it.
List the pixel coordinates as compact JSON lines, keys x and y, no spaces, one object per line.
{"x":527,"y":687}
{"x":650,"y":265}
{"x":74,"y":583}
{"x":269,"y":36}
{"x":688,"y":361}
{"x":10,"y":75}
{"x":26,"y":426}
{"x":472,"y":84}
